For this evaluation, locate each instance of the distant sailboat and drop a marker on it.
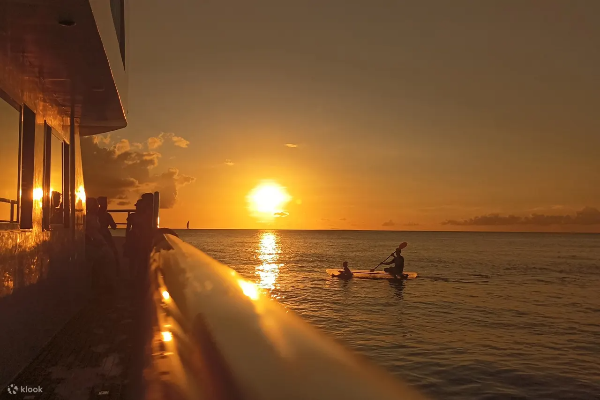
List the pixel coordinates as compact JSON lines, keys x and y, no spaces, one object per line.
{"x":188,"y":225}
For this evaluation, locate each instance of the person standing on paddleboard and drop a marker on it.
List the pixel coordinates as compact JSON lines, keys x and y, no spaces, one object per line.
{"x":398,"y":261}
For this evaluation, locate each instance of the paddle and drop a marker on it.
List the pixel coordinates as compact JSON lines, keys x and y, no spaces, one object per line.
{"x":401,"y":246}
{"x":391,"y":255}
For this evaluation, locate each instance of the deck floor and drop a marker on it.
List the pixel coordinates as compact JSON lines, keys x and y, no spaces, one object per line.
{"x":92,"y":357}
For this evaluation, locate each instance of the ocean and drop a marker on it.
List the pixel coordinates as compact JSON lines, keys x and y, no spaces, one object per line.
{"x":491,"y":315}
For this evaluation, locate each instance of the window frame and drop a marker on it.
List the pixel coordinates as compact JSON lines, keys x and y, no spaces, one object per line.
{"x":27,"y":167}
{"x":47,"y":223}
{"x":15,"y":214}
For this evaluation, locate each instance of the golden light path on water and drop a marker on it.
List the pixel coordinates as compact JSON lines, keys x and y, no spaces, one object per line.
{"x":268,"y":252}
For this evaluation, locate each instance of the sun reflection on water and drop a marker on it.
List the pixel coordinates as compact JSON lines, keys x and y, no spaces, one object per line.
{"x":268,"y":253}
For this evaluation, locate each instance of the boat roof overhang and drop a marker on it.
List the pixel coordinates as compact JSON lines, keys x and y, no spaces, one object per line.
{"x":51,"y":63}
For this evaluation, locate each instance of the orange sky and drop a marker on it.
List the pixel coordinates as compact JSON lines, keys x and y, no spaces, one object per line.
{"x":402,"y":115}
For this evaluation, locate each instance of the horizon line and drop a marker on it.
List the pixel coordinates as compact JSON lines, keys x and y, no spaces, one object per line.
{"x":376,"y":230}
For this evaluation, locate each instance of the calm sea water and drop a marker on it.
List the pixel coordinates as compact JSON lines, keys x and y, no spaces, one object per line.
{"x":491,"y":315}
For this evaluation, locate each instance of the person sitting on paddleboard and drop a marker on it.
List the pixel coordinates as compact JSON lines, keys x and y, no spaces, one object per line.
{"x":347,"y":273}
{"x":398,"y":261}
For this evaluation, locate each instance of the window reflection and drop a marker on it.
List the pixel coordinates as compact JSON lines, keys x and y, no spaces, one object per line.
{"x":9,"y":161}
{"x":56,"y":179}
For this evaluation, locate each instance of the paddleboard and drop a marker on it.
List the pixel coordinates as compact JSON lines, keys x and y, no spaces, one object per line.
{"x":367,"y":274}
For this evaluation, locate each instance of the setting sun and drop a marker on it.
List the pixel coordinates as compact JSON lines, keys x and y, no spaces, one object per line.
{"x":267,"y":199}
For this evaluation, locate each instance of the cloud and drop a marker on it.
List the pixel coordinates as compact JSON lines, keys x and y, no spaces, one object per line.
{"x":291,"y":145}
{"x":168,"y":184}
{"x":179,"y":141}
{"x":553,"y":207}
{"x":388,"y":223}
{"x":228,"y":162}
{"x":122,"y":146}
{"x":156,"y":142}
{"x":102,"y":139}
{"x":121,"y":173}
{"x":587,"y":216}
{"x":123,"y":203}
{"x":342,"y":219}
{"x":281,"y":214}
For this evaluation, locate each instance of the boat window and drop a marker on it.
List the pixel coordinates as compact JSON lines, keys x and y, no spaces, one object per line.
{"x":10,"y":118}
{"x":66,"y":184}
{"x":53,"y":179}
{"x":29,"y":193}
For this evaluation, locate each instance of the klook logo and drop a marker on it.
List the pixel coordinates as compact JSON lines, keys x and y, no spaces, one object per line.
{"x":14,"y":389}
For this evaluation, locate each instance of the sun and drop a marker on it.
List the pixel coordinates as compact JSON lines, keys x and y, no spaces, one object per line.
{"x":267,"y":199}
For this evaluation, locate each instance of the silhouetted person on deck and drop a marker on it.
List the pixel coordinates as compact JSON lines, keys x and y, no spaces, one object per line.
{"x":106,"y":221}
{"x":398,"y":261}
{"x":130,"y":247}
{"x":92,"y":225}
{"x":98,"y":252}
{"x":139,"y":235}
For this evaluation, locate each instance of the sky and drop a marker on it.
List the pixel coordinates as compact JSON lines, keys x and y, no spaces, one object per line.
{"x":397,"y":115}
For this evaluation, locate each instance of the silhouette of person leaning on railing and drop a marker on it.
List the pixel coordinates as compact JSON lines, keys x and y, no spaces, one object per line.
{"x":106,"y":221}
{"x":98,"y":253}
{"x":138,"y":236}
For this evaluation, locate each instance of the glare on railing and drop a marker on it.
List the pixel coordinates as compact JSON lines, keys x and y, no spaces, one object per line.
{"x":166,"y":295}
{"x":249,"y":289}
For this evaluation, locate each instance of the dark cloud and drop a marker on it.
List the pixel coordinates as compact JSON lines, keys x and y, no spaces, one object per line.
{"x":167,"y":185}
{"x":123,"y":203}
{"x":342,"y":219}
{"x":587,"y":216}
{"x":121,"y":173}
{"x":388,"y":223}
{"x":281,"y":214}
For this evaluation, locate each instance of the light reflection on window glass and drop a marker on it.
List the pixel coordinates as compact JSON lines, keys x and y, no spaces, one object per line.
{"x":56,"y":179}
{"x":9,"y":161}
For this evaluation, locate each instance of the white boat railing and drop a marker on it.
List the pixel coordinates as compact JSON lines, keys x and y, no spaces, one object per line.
{"x":216,"y":336}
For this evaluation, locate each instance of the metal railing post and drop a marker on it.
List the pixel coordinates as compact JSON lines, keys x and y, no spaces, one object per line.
{"x":156,"y":204}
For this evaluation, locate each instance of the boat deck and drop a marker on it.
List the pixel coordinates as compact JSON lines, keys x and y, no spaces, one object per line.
{"x":96,"y":355}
